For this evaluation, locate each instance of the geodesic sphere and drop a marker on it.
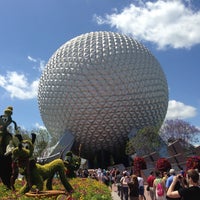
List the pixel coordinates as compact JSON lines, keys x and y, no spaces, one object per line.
{"x":100,"y":86}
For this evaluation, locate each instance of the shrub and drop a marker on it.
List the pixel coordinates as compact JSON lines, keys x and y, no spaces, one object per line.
{"x":139,"y":164}
{"x":163,"y":165}
{"x":193,"y":162}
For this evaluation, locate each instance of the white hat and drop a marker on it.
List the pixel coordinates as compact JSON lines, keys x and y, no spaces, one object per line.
{"x":125,"y":172}
{"x":172,"y":171}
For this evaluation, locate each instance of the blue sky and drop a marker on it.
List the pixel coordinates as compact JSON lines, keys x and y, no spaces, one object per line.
{"x":31,"y":31}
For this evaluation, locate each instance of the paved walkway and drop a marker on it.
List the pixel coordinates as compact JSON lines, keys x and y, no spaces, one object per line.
{"x":116,"y":197}
{"x":114,"y":193}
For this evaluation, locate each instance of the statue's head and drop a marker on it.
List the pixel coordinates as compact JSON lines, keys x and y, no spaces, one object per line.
{"x":8,"y":111}
{"x":25,"y":147}
{"x":6,"y":119}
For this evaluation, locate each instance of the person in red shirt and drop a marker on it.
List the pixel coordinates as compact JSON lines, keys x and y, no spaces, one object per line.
{"x":150,"y":180}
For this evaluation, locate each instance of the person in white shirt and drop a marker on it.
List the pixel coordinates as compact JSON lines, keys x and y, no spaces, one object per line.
{"x":141,"y":187}
{"x":124,"y":181}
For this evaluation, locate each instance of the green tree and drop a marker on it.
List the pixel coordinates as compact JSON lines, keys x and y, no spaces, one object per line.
{"x":42,"y":140}
{"x":24,"y":133}
{"x":177,"y":129}
{"x":144,"y":141}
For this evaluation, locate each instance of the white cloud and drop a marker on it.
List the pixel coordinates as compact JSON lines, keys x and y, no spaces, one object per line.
{"x":166,"y":23}
{"x":37,"y":125}
{"x":178,"y":110}
{"x":2,"y":81}
{"x":18,"y":86}
{"x":41,"y":63}
{"x":32,"y":59}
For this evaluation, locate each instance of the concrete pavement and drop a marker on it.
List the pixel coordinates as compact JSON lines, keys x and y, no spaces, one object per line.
{"x":116,"y":197}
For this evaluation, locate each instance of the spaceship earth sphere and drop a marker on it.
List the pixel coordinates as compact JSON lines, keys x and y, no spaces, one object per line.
{"x":100,"y":86}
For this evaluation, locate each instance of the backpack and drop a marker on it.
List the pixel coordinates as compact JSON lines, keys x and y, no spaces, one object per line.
{"x":159,"y":189}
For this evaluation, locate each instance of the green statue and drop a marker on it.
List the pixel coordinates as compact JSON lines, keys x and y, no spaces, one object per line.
{"x":36,"y":174}
{"x":5,"y":140}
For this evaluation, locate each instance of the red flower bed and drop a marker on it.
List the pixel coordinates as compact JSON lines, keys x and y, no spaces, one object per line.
{"x":163,"y":165}
{"x":193,"y":162}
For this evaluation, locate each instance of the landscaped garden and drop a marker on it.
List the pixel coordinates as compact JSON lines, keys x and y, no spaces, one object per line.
{"x":84,"y":189}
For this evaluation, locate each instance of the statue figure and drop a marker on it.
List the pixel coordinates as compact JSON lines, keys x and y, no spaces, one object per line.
{"x":5,"y":140}
{"x":36,"y":174}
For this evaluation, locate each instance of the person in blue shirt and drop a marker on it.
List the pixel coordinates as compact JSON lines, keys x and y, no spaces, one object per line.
{"x":169,"y":181}
{"x":170,"y":178}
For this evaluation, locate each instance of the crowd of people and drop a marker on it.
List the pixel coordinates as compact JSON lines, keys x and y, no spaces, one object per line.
{"x":175,"y":185}
{"x":169,"y":185}
{"x":129,"y":186}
